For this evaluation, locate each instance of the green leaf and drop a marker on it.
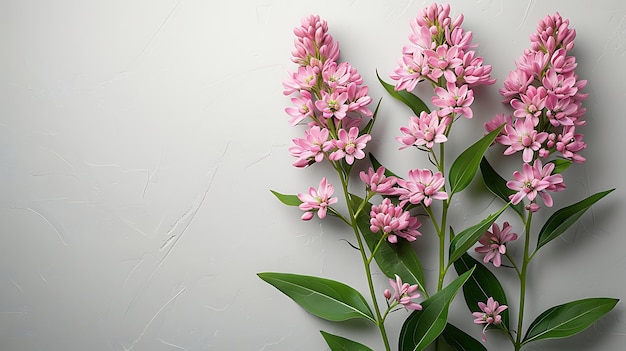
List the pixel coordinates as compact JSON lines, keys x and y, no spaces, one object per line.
{"x":465,"y":166}
{"x":399,"y":258}
{"x":482,"y":285}
{"x":370,"y":124}
{"x":422,"y":327}
{"x":413,"y":102}
{"x":338,"y":343}
{"x":565,"y":217}
{"x":497,"y":185}
{"x":458,"y":340}
{"x":325,"y":298}
{"x":568,"y":319}
{"x":560,"y":164}
{"x":289,"y":200}
{"x":376,"y":164}
{"x":464,"y":240}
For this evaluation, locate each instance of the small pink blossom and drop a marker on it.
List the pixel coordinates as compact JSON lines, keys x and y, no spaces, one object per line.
{"x":333,"y":104}
{"x":304,"y":78}
{"x":411,"y":70}
{"x":522,"y":137}
{"x":317,"y":200}
{"x":422,"y":186}
{"x":377,"y":182}
{"x":454,"y":99}
{"x":312,"y":147}
{"x":349,"y":145}
{"x":569,"y":144}
{"x":494,"y":243}
{"x":516,"y":83}
{"x":394,"y":222}
{"x":530,"y":104}
{"x":403,"y":294}
{"x":490,"y":314}
{"x":303,"y":108}
{"x":424,"y":131}
{"x":535,"y":180}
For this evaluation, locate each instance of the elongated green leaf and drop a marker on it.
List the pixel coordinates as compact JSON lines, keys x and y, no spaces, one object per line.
{"x":422,"y":327}
{"x":482,"y":285}
{"x":568,"y":319}
{"x":339,"y":343}
{"x":497,"y":185}
{"x":413,"y":102}
{"x":325,"y":298}
{"x":289,"y":200}
{"x":399,"y":258}
{"x":565,"y":217}
{"x":458,"y":340}
{"x":467,"y":238}
{"x":465,"y":166}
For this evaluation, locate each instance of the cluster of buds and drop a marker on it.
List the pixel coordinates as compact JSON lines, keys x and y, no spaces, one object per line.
{"x":330,"y":99}
{"x":545,"y":93}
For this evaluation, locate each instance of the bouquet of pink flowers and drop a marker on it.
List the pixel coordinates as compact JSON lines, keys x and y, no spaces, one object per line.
{"x":331,"y":101}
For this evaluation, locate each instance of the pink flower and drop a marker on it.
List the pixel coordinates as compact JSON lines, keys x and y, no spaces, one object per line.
{"x":403,"y":294}
{"x":535,"y":180}
{"x":494,"y":243}
{"x":411,"y":70}
{"x":304,"y":78}
{"x":490,"y":314}
{"x":569,"y":144}
{"x":530,"y":104}
{"x":424,"y":131}
{"x":421,"y":185}
{"x":454,"y":99}
{"x":443,"y":61}
{"x":317,"y":200}
{"x":393,"y":221}
{"x":522,"y":137}
{"x":349,"y":145}
{"x":495,"y":123}
{"x":304,"y":108}
{"x":333,"y":104}
{"x":516,"y":83}
{"x":377,"y":182}
{"x":312,"y":147}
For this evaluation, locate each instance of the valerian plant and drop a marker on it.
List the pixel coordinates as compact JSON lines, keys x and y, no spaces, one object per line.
{"x":331,"y":101}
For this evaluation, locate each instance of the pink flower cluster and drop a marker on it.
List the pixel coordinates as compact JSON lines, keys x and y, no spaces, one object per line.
{"x":420,"y":187}
{"x":403,"y":294}
{"x":493,"y":243}
{"x":546,"y":96}
{"x":330,"y":97}
{"x":490,"y":314}
{"x":440,"y":51}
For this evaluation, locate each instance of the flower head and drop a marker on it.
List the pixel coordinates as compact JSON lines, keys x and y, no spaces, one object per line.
{"x":421,"y":185}
{"x":494,"y":243}
{"x":403,"y":294}
{"x":317,"y":200}
{"x":349,"y":145}
{"x":535,"y":180}
{"x":377,"y":182}
{"x":394,"y":222}
{"x":490,"y":314}
{"x":425,"y":130}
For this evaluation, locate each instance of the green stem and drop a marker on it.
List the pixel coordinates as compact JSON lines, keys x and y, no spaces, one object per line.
{"x":522,"y":277}
{"x":366,"y":262}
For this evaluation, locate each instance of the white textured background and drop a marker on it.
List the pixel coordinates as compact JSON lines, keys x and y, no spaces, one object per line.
{"x":139,"y":141}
